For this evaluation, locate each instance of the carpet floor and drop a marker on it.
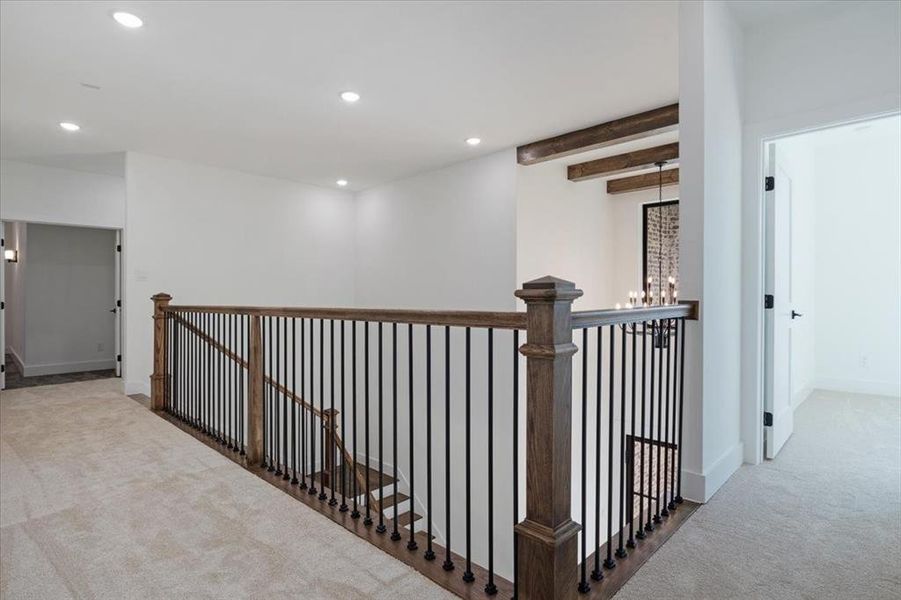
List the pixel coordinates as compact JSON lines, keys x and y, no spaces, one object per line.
{"x":821,"y":521}
{"x":99,"y":498}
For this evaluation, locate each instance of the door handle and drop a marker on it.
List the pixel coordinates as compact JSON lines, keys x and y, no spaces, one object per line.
{"x":795,"y":315}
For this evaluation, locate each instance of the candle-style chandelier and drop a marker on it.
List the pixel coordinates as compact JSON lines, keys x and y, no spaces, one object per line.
{"x":667,"y":294}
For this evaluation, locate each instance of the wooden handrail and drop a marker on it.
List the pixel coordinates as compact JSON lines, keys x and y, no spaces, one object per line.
{"x":241,"y":362}
{"x":453,"y":318}
{"x":687,"y":309}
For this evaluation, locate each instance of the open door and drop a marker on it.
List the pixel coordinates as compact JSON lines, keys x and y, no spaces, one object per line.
{"x":778,"y":418}
{"x":117,"y":303}
{"x":3,"y":307}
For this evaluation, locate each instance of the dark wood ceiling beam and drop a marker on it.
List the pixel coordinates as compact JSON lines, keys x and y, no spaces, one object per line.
{"x":628,"y":128}
{"x":645,"y":181}
{"x":622,"y":163}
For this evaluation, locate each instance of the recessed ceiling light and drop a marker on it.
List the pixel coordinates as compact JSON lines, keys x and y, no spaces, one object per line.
{"x":350,"y":97}
{"x":128,"y":20}
{"x":341,"y":182}
{"x":473,"y":141}
{"x":69,"y":126}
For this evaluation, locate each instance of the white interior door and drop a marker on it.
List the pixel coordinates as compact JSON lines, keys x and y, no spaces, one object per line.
{"x":2,"y":307}
{"x":778,"y":418}
{"x":117,"y":304}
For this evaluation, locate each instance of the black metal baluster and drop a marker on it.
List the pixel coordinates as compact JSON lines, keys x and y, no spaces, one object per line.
{"x":448,"y":564}
{"x":220,"y":379}
{"x":468,"y":575}
{"x":597,"y":573}
{"x":630,"y":451}
{"x":210,"y":399}
{"x":322,"y":450}
{"x":380,"y":528}
{"x":411,"y":544}
{"x":666,"y":440}
{"x":584,"y":587}
{"x":243,"y":321}
{"x":355,"y":513}
{"x":490,"y":587}
{"x":284,"y":388}
{"x":295,"y":447}
{"x":303,"y":408}
{"x":659,"y":460}
{"x":395,"y":534}
{"x":277,"y":398}
{"x":674,"y":448}
{"x":515,"y":456}
{"x":609,"y":562}
{"x":621,"y":550}
{"x":681,"y":408}
{"x":652,"y":447}
{"x":171,"y":343}
{"x":273,"y":406}
{"x":429,"y":553}
{"x":641,"y":491}
{"x":312,"y":413}
{"x":367,"y":520}
{"x":331,"y":421}
{"x":343,"y":507}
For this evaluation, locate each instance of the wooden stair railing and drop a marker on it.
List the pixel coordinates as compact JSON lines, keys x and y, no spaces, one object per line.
{"x":217,"y":375}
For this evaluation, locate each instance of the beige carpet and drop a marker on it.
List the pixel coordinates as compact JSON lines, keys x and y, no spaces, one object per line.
{"x":821,"y":521}
{"x":101,"y":499}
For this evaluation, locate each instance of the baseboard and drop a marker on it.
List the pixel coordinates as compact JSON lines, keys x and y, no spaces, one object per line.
{"x":69,"y":367}
{"x":801,"y":395}
{"x":137,"y":387}
{"x":700,"y":487}
{"x":859,"y":386}
{"x":20,"y":364}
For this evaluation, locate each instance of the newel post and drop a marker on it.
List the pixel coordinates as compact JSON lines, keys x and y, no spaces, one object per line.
{"x":157,"y":379}
{"x":547,"y":562}
{"x":255,"y":394}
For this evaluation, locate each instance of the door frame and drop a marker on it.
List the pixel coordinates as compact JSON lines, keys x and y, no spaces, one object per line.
{"x":756,"y":137}
{"x":119,"y":303}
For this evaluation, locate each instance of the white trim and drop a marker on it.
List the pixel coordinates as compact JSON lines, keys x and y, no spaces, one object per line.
{"x":801,"y":396}
{"x":860,"y":386}
{"x":69,"y":367}
{"x":133,"y":387}
{"x":20,"y":364}
{"x":754,"y":137}
{"x":701,"y":487}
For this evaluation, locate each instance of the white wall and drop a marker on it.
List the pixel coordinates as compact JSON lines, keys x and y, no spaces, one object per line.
{"x":565,"y":229}
{"x":443,"y":239}
{"x":69,"y":291}
{"x":16,"y":238}
{"x":829,"y":67}
{"x":40,"y":194}
{"x":710,"y":49}
{"x":208,"y":235}
{"x":858,"y":228}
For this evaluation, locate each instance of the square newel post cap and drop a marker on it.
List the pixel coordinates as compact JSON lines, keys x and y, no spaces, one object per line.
{"x":548,"y":289}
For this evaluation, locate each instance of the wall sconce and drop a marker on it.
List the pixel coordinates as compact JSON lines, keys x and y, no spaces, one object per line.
{"x":11,"y":255}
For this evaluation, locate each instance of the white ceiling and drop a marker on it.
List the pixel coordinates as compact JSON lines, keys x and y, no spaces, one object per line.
{"x":254,"y":86}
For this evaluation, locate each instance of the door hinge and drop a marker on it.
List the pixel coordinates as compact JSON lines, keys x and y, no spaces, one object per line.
{"x":118,"y":304}
{"x":2,"y":305}
{"x":2,"y":242}
{"x":769,"y":183}
{"x":768,"y":301}
{"x":2,"y":368}
{"x":118,"y":358}
{"x":767,"y":419}
{"x":118,"y":247}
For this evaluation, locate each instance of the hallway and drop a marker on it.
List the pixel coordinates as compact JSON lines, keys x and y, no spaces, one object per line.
{"x":98,"y":497}
{"x":819,"y":521}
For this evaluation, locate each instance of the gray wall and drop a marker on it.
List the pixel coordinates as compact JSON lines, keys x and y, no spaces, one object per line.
{"x":69,"y":290}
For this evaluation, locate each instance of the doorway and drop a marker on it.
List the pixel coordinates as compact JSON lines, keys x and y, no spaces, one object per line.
{"x":832,"y":305}
{"x":61,"y":306}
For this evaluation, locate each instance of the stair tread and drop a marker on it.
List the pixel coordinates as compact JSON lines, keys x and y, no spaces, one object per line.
{"x":408,"y":517}
{"x":394,"y":498}
{"x":387,"y":479}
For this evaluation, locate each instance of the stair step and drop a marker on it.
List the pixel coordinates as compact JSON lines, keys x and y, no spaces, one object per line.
{"x":323,"y":478}
{"x":393,"y":499}
{"x":407,"y":518}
